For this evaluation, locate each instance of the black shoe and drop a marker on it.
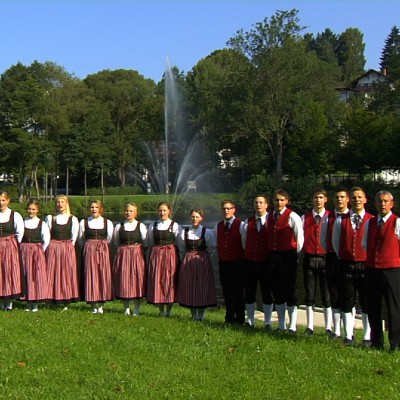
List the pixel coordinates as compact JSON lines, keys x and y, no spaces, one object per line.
{"x":279,"y":330}
{"x":334,"y":336}
{"x":249,"y":325}
{"x":348,"y":342}
{"x":328,"y":332}
{"x":268,"y":328}
{"x":309,"y":332}
{"x":366,"y":344}
{"x":292,"y":332}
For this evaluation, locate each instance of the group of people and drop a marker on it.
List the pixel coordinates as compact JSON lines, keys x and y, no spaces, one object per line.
{"x":349,"y":253}
{"x":39,"y":261}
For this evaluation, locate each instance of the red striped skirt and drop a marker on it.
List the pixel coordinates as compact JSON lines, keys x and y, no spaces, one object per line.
{"x":10,"y":268}
{"x":34,"y":272}
{"x":162,"y":275}
{"x":62,"y":271}
{"x":196,"y":281}
{"x":129,"y":272}
{"x":97,"y":271}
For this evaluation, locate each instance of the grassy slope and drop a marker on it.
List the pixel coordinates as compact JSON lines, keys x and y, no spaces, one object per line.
{"x":75,"y":355}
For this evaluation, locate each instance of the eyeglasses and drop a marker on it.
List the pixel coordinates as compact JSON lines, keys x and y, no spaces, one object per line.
{"x":227,"y":208}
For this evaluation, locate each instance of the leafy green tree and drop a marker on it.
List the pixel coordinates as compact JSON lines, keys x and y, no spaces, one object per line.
{"x":325,"y":45}
{"x":350,"y":53}
{"x":390,"y":58}
{"x":291,"y":88}
{"x":366,"y":141}
{"x":219,"y":88}
{"x":28,"y":116}
{"x":130,"y":99}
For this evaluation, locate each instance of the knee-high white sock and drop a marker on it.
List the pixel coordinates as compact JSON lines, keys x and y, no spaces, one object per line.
{"x":281,"y":311}
{"x":267,"y":308}
{"x":336,"y":321}
{"x":292,"y":311}
{"x":328,"y":318}
{"x":251,"y":310}
{"x":348,"y":322}
{"x":310,"y":317}
{"x":367,"y":328}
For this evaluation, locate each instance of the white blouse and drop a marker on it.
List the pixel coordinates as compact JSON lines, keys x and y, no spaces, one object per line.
{"x":18,"y":222}
{"x":195,"y":234}
{"x":62,"y":219}
{"x":130,"y":226}
{"x":33,"y":223}
{"x":95,"y":223}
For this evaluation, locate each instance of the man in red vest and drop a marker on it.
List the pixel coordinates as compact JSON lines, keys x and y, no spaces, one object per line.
{"x":228,"y":240}
{"x":254,"y":239}
{"x":315,"y":223}
{"x":382,"y":242}
{"x":341,"y":200}
{"x":284,"y":241}
{"x":347,"y":238}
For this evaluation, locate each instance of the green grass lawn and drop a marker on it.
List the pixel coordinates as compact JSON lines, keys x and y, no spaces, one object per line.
{"x":77,"y":355}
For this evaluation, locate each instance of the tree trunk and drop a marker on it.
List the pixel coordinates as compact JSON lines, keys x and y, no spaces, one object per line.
{"x":22,"y":185}
{"x":36,"y":181}
{"x":67,"y":183}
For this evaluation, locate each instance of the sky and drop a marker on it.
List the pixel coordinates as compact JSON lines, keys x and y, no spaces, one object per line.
{"x":87,"y":36}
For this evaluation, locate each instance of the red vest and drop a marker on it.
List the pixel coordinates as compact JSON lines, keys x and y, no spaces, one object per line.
{"x":229,"y":241}
{"x":256,"y":242}
{"x":383,"y":247}
{"x":280,"y":236}
{"x":312,"y":234}
{"x":351,"y":248}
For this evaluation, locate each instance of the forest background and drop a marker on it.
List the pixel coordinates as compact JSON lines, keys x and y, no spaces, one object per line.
{"x":266,"y":109}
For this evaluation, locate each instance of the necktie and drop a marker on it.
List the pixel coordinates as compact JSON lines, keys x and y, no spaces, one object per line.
{"x":226,"y":226}
{"x":357,"y":220}
{"x":380,"y":223}
{"x":259,"y":225}
{"x":276,"y":215}
{"x":317,"y":219}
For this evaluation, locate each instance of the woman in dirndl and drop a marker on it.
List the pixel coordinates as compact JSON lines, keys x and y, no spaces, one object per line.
{"x":61,"y":255}
{"x":96,"y":233}
{"x":196,"y":289}
{"x":165,"y":247}
{"x":129,"y":268}
{"x":11,"y":233}
{"x":33,"y":246}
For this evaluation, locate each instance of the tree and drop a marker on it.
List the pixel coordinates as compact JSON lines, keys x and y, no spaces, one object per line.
{"x":290,"y":87}
{"x":350,"y":54}
{"x":128,"y":96}
{"x":390,"y":58}
{"x":219,"y":91}
{"x":28,"y":117}
{"x":325,"y":45}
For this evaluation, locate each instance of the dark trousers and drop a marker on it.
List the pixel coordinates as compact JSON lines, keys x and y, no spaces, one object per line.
{"x":352,"y":280}
{"x":231,"y":275}
{"x":384,"y":284}
{"x":257,"y":272}
{"x":314,"y":271}
{"x":283,"y":266}
{"x":332,"y":278}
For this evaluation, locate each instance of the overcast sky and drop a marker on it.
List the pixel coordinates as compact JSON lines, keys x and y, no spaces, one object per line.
{"x":87,"y":36}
